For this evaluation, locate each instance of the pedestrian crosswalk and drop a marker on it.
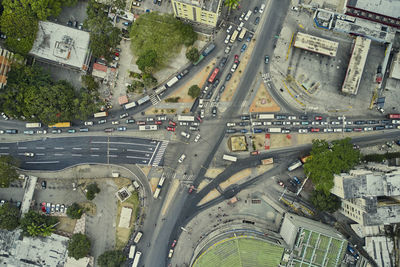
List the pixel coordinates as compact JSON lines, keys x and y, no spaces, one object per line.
{"x":154,"y":98}
{"x":160,"y":153}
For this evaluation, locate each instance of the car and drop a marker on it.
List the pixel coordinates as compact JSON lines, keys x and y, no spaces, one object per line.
{"x":4,"y":116}
{"x":385,"y":121}
{"x":216,"y":82}
{"x":116,"y":58}
{"x":318,"y":118}
{"x":221,"y":89}
{"x":183,"y":123}
{"x":170,"y":253}
{"x":231,"y":124}
{"x":287,"y":122}
{"x":303,"y":117}
{"x":56,"y":131}
{"x":367,"y":129}
{"x":161,"y":118}
{"x":348,"y":129}
{"x":245,"y":117}
{"x":303,"y":130}
{"x":170,"y":129}
{"x":197,"y":138}
{"x":281,"y":117}
{"x":62,"y":208}
{"x":281,"y":183}
{"x":121,"y":128}
{"x":242,"y":16}
{"x":379,"y":70}
{"x":285,"y":131}
{"x":234,"y":67}
{"x":29,"y":132}
{"x":130,"y":121}
{"x":258,"y":130}
{"x":349,"y":123}
{"x":141,"y":123}
{"x":226,"y":41}
{"x":109,"y":130}
{"x":315,"y":123}
{"x":202,"y":113}
{"x":88,"y":123}
{"x":277,"y":123}
{"x":71,"y":131}
{"x":181,"y":158}
{"x":229,"y":131}
{"x":44,"y":184}
{"x":58,"y":207}
{"x":53,"y":208}
{"x":69,"y":23}
{"x":243,"y":123}
{"x":102,"y":121}
{"x":256,"y":123}
{"x":199,"y":119}
{"x":372,"y":122}
{"x":297,"y":180}
{"x":304,"y":123}
{"x":243,"y":131}
{"x":172,"y":123}
{"x":236,"y":57}
{"x":126,"y":23}
{"x":228,"y":77}
{"x":324,"y":123}
{"x":396,"y":121}
{"x":315,"y":130}
{"x":255,"y":153}
{"x":41,"y":131}
{"x":158,"y":122}
{"x":359,"y":122}
{"x":194,"y":123}
{"x":328,"y":130}
{"x":227,"y":50}
{"x":335,"y":122}
{"x":337,"y":130}
{"x":229,"y":29}
{"x":256,"y":21}
{"x":124,"y":115}
{"x":173,"y":244}
{"x":357,"y":130}
{"x":209,"y":94}
{"x":214,"y":111}
{"x":223,"y":62}
{"x":266,"y":123}
{"x":389,"y":126}
{"x":296,"y":123}
{"x":256,"y":9}
{"x":244,"y":46}
{"x":149,"y":119}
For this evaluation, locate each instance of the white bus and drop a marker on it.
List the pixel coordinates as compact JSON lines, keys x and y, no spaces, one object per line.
{"x":132,"y":252}
{"x":185,"y":118}
{"x":229,"y":158}
{"x":161,"y":182}
{"x":138,"y":237}
{"x":159,"y":186}
{"x":148,"y":127}
{"x":137,"y":259}
{"x":234,"y":36}
{"x":295,"y":165}
{"x":100,"y":114}
{"x":33,"y":125}
{"x":173,"y":81}
{"x":130,"y":105}
{"x":266,"y":116}
{"x":157,"y":193}
{"x":248,"y":15}
{"x":242,"y":34}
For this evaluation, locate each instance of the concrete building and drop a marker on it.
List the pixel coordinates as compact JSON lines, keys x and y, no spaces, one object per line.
{"x":61,"y":45}
{"x":395,"y":67}
{"x":371,"y":195}
{"x":312,"y":243}
{"x":6,"y":58}
{"x":205,"y":12}
{"x":356,"y":65}
{"x":316,"y":44}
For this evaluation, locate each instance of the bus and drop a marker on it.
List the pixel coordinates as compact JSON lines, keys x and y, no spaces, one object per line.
{"x":60,"y":125}
{"x":33,"y":125}
{"x":295,"y":165}
{"x":242,"y":34}
{"x":208,"y":50}
{"x":138,"y":237}
{"x":130,"y":105}
{"x":234,"y":36}
{"x":201,"y":57}
{"x":229,"y":158}
{"x":101,"y":114}
{"x":159,"y":186}
{"x":148,"y":127}
{"x":132,"y":252}
{"x":156,"y":193}
{"x":143,"y":100}
{"x":173,"y":81}
{"x":266,"y":116}
{"x":213,"y":75}
{"x":137,"y":259}
{"x":185,"y":118}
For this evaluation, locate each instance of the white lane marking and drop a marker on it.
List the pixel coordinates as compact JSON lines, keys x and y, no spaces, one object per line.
{"x":111,"y":148}
{"x":4,"y":153}
{"x":58,"y":154}
{"x":120,"y":143}
{"x":41,"y":162}
{"x":4,"y":147}
{"x":22,"y":147}
{"x":152,"y":156}
{"x":58,"y":148}
{"x":40,"y":147}
{"x":40,"y":154}
{"x":135,"y":150}
{"x":94,"y":148}
{"x":94,"y":155}
{"x":113,"y":156}
{"x":132,"y":157}
{"x":77,"y":148}
{"x":76,"y":155}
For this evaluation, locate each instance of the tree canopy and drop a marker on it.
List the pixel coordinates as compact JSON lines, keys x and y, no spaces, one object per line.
{"x":92,"y":190}
{"x":8,"y":172}
{"x":112,"y":258}
{"x":36,"y":224}
{"x":78,"y":246}
{"x":31,"y":93}
{"x":232,"y":4}
{"x":161,"y":34}
{"x":193,"y":54}
{"x":323,"y":202}
{"x":9,"y":217}
{"x":194,"y":91}
{"x":329,"y":159}
{"x":75,"y":211}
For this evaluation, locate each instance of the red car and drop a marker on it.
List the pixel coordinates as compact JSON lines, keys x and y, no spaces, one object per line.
{"x":198,"y":118}
{"x":357,"y":130}
{"x":170,"y":129}
{"x":117,"y":54}
{"x":318,"y":118}
{"x":281,"y":183}
{"x":255,"y":153}
{"x":191,"y":189}
{"x":173,"y":244}
{"x":314,"y":129}
{"x":141,"y":123}
{"x":158,"y":122}
{"x":172,"y":123}
{"x":236,"y":57}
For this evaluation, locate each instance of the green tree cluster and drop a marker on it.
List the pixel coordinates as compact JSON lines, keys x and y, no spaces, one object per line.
{"x":232,"y":4}
{"x":9,"y":217}
{"x":193,"y":54}
{"x":20,"y":19}
{"x":8,"y":172}
{"x":31,"y":93}
{"x":329,"y":159}
{"x":90,"y":83}
{"x":78,"y":246}
{"x":75,"y":211}
{"x":92,"y":190}
{"x":194,"y":91}
{"x":36,"y":224}
{"x":156,"y":38}
{"x":324,"y":202}
{"x":112,"y":258}
{"x":104,"y":37}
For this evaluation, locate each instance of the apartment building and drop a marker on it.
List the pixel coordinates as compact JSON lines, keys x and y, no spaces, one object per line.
{"x":204,"y":12}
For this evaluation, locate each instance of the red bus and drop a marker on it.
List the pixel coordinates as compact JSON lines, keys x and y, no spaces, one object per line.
{"x":213,"y":75}
{"x":394,"y":116}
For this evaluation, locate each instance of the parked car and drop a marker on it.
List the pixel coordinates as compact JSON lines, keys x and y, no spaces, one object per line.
{"x":44,"y":184}
{"x":130,"y":121}
{"x":318,"y":118}
{"x":197,"y":138}
{"x":256,"y":21}
{"x":181,"y":158}
{"x":71,"y":131}
{"x":88,"y":123}
{"x":244,"y":46}
{"x":102,"y":121}
{"x":121,"y":128}
{"x":229,"y":29}
{"x":170,"y":129}
{"x":214,"y":111}
{"x":124,"y":115}
{"x":227,"y":50}
{"x":228,"y":77}
{"x":172,"y":123}
{"x":256,"y":9}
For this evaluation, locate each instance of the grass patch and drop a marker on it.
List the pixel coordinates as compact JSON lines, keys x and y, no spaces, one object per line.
{"x":123,"y":234}
{"x":66,"y":224}
{"x":90,"y":208}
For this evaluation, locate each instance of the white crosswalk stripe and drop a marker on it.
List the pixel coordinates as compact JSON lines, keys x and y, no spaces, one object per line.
{"x":160,"y":153}
{"x":154,"y":98}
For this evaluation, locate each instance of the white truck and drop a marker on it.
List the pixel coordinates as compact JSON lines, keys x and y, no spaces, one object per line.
{"x":33,"y":125}
{"x":130,"y":105}
{"x":185,"y":118}
{"x":100,"y":114}
{"x":172,"y":81}
{"x":274,"y":130}
{"x":229,"y":158}
{"x":148,"y":127}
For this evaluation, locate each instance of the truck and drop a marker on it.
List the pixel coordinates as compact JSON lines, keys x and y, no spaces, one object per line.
{"x":234,"y":36}
{"x":185,"y":118}
{"x":208,"y":50}
{"x":130,"y":105}
{"x":266,"y":116}
{"x":305,"y":158}
{"x":267,"y":161}
{"x":148,"y":127}
{"x":173,"y":81}
{"x":60,"y":125}
{"x":33,"y":125}
{"x":229,"y":158}
{"x":201,"y":57}
{"x":143,"y":100}
{"x":295,"y":165}
{"x":100,"y":114}
{"x":274,"y":130}
{"x":394,"y":116}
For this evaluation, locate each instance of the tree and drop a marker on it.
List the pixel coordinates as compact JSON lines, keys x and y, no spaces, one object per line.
{"x":194,"y":91}
{"x":90,"y":83}
{"x":35,"y":224}
{"x":92,"y":190}
{"x":9,"y":217}
{"x":8,"y":172}
{"x":136,"y":87}
{"x":148,"y":80}
{"x":324,"y":202}
{"x":78,"y":246}
{"x":193,"y":54}
{"x":329,"y":159}
{"x":147,"y":61}
{"x":232,"y":4}
{"x":112,"y":258}
{"x":75,"y":211}
{"x":188,"y":34}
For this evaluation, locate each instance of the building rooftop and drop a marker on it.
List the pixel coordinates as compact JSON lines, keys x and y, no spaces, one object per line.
{"x":387,"y":8}
{"x":356,"y":65}
{"x":19,"y":251}
{"x":208,"y":5}
{"x":316,"y":44}
{"x":60,"y":44}
{"x":380,"y":248}
{"x":395,"y":67}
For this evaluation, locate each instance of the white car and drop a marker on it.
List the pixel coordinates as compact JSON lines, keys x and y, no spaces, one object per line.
{"x":231,"y":124}
{"x":341,"y":118}
{"x":296,"y":123}
{"x":227,"y":39}
{"x":285,"y":131}
{"x":149,"y":119}
{"x":239,"y":28}
{"x":335,"y":122}
{"x":366,"y":129}
{"x":88,"y":123}
{"x":229,"y":29}
{"x":292,"y":117}
{"x":256,"y":123}
{"x":267,"y":123}
{"x":171,"y":252}
{"x":29,"y":154}
{"x":41,"y":132}
{"x":227,"y":50}
{"x":4,"y":116}
{"x":287,"y":123}
{"x":197,"y":138}
{"x":328,"y":130}
{"x":124,"y":115}
{"x":183,"y":123}
{"x":115,"y":122}
{"x":185,"y":134}
{"x":338,"y":130}
{"x":182,"y":158}
{"x":1,"y":131}
{"x":234,"y":67}
{"x":315,"y":123}
{"x":396,"y":121}
{"x":162,"y":118}
{"x":202,"y":113}
{"x":324,"y":123}
{"x":303,"y":130}
{"x":262,"y":8}
{"x":349,"y":122}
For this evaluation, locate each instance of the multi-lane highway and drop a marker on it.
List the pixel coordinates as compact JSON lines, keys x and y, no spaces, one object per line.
{"x":58,"y":153}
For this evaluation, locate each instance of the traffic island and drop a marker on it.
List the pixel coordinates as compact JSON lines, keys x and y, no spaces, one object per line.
{"x":237,"y":143}
{"x":263,"y":102}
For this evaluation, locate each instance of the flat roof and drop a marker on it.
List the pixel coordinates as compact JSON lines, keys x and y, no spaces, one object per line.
{"x":395,"y":67}
{"x":316,"y":44}
{"x":356,"y":65}
{"x":125,"y":218}
{"x":388,"y":8}
{"x":211,"y":5}
{"x":64,"y":45}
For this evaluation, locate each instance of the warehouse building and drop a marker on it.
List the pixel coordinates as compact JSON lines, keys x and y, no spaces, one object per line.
{"x":316,"y":44}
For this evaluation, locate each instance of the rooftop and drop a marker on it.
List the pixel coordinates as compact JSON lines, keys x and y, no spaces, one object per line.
{"x":395,"y":67}
{"x":380,"y":248}
{"x":208,"y":5}
{"x":316,"y":44}
{"x":64,"y":45}
{"x":388,"y":8}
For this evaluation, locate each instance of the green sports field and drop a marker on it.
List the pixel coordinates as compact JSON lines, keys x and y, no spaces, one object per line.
{"x":241,"y":251}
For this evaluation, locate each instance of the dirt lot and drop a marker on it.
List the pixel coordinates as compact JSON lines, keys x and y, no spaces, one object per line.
{"x":66,"y":224}
{"x":237,"y":143}
{"x":123,"y":234}
{"x":263,"y":102}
